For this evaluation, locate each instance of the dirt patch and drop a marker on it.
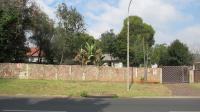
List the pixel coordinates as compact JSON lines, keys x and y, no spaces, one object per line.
{"x":183,"y":90}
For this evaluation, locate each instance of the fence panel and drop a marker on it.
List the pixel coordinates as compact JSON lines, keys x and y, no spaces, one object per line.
{"x":75,"y":72}
{"x":175,"y":74}
{"x":197,"y":76}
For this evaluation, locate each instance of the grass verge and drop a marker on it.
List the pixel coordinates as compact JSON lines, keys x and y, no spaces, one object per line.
{"x":196,"y":85}
{"x":78,"y":88}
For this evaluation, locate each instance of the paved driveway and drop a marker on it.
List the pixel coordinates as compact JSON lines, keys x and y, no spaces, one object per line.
{"x":183,"y":90}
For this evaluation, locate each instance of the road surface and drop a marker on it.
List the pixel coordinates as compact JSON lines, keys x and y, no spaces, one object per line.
{"x":25,"y":104}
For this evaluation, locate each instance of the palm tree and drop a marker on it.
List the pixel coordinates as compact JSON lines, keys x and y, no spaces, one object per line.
{"x":82,"y":57}
{"x":98,"y":60}
{"x":98,"y":57}
{"x":89,"y":55}
{"x":90,"y":49}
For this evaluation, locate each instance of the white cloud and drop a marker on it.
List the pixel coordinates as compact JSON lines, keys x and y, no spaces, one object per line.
{"x":161,"y":14}
{"x":44,"y":5}
{"x":190,"y":35}
{"x":50,"y":6}
{"x":155,"y":12}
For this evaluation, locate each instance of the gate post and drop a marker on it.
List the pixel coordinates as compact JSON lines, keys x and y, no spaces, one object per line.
{"x":191,"y":76}
{"x":161,"y":75}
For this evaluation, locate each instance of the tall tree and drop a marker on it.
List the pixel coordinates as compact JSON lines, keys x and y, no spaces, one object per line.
{"x":42,"y":28}
{"x":159,"y":54}
{"x":80,"y":40}
{"x":141,"y":39}
{"x":59,"y":44}
{"x":13,"y":22}
{"x":179,"y":54}
{"x":108,"y":43}
{"x":72,"y":24}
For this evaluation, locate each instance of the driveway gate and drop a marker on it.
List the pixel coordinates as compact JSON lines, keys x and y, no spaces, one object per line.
{"x":197,"y":72}
{"x":175,"y":74}
{"x":197,"y":76}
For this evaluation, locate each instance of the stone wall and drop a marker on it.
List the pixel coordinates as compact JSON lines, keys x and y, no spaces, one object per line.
{"x":76,"y":72}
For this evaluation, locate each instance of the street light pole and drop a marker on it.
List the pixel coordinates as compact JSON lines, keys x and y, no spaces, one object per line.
{"x":128,"y":73}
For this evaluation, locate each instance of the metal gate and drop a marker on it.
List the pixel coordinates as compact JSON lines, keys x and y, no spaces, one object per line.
{"x":175,"y":74}
{"x":197,"y":72}
{"x":197,"y":76}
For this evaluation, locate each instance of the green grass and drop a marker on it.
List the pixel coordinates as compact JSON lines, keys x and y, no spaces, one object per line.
{"x":196,"y":85}
{"x":77,"y":88}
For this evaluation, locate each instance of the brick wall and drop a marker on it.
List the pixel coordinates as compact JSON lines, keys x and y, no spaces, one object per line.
{"x":76,"y":72}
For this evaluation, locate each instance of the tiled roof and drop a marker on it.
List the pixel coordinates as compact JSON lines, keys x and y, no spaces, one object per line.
{"x":34,"y":52}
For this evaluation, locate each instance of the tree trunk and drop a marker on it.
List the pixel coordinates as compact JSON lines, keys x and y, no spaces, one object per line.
{"x":39,"y":56}
{"x":61,"y":60}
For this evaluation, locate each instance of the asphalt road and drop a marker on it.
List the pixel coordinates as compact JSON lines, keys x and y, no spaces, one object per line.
{"x":13,"y":104}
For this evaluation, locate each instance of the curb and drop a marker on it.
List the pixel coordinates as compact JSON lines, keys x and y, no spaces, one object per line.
{"x":103,"y":97}
{"x":35,"y":96}
{"x":168,"y":97}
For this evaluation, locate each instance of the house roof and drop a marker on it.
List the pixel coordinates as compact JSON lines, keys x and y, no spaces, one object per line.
{"x":108,"y":57}
{"x":34,"y":52}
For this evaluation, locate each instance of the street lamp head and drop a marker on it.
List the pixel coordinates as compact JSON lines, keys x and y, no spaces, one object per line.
{"x":129,"y":6}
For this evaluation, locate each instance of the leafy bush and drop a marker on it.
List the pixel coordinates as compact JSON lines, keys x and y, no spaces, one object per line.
{"x":83,"y":94}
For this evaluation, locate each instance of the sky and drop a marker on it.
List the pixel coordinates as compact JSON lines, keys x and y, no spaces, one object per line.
{"x":171,"y":19}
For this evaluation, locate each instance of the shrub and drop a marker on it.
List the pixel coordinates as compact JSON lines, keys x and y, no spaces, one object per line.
{"x":83,"y":94}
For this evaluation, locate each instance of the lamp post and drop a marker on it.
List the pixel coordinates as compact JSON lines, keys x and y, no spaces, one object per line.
{"x":128,"y":73}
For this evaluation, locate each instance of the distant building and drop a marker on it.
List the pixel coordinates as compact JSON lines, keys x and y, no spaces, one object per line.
{"x":112,"y":61}
{"x":33,"y":55}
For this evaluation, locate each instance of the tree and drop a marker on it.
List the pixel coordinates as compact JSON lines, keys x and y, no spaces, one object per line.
{"x":72,"y":25}
{"x":81,"y":40}
{"x":108,"y":42}
{"x":59,"y":44}
{"x":141,"y":39}
{"x":85,"y":56}
{"x":42,"y":28}
{"x":98,"y":61}
{"x":90,"y":54}
{"x":179,"y":54}
{"x":13,"y":24}
{"x":159,"y":54}
{"x":61,"y":40}
{"x":70,"y":19}
{"x":90,"y":49}
{"x":82,"y":57}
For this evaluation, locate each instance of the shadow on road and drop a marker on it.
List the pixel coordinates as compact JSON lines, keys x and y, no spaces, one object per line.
{"x":55,"y":104}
